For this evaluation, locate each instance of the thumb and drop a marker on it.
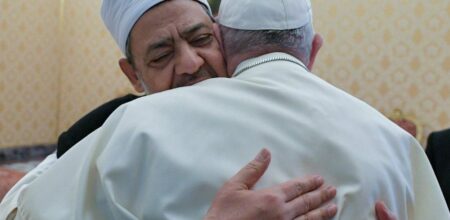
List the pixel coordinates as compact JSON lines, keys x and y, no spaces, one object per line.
{"x":250,"y":174}
{"x":383,"y":213}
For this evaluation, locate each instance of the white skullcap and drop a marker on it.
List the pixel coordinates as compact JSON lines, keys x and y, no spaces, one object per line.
{"x":120,"y":16}
{"x":265,"y":14}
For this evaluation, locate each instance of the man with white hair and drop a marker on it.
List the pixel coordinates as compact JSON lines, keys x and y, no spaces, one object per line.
{"x":389,"y":162}
{"x":170,"y":163}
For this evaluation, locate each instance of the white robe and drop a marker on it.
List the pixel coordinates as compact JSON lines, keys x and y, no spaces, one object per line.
{"x":9,"y":202}
{"x":165,"y":156}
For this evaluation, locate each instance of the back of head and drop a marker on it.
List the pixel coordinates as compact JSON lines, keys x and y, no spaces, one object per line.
{"x":267,"y":26}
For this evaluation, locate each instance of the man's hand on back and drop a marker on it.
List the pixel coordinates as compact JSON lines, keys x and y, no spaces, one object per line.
{"x":301,"y":198}
{"x":383,"y":213}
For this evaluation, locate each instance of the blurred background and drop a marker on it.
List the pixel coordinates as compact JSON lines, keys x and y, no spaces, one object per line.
{"x":58,"y":62}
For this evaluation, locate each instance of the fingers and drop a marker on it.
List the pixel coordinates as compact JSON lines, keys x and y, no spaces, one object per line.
{"x":311,"y":201}
{"x":327,"y":212}
{"x":252,"y":172}
{"x":294,"y":188}
{"x":383,"y":212}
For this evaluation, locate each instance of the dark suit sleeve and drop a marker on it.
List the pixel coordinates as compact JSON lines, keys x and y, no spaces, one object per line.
{"x":430,"y":151}
{"x":438,"y":152}
{"x":89,"y":123}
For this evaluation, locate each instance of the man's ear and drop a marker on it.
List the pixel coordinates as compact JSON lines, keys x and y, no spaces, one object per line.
{"x":131,"y":74}
{"x":316,"y":45}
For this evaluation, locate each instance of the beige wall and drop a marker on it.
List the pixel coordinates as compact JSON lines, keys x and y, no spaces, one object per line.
{"x":57,"y":62}
{"x":392,"y":54}
{"x":90,"y":74}
{"x":29,"y":64}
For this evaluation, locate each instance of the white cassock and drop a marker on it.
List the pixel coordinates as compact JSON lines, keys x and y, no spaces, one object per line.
{"x":165,"y":156}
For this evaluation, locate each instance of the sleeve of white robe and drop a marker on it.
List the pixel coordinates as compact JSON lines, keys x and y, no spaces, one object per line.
{"x":123,"y":180}
{"x":426,"y":188}
{"x":97,"y":179}
{"x":9,"y":202}
{"x":70,"y":188}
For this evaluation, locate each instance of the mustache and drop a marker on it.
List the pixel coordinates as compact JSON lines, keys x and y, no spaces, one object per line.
{"x":202,"y":74}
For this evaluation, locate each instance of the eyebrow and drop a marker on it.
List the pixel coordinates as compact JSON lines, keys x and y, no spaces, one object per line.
{"x":161,"y":43}
{"x":168,"y":40}
{"x":192,"y":29}
{"x":157,"y":45}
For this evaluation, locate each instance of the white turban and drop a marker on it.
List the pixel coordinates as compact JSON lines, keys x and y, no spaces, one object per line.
{"x":265,"y":14}
{"x":120,"y":16}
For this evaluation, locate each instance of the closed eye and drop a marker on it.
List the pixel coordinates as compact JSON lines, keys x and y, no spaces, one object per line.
{"x":161,"y":59}
{"x":202,"y":40}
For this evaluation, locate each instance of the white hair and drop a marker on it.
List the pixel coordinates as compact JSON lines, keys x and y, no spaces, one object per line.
{"x":298,"y":40}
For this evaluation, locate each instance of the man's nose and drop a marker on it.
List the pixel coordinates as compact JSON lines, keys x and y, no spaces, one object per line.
{"x":188,"y":61}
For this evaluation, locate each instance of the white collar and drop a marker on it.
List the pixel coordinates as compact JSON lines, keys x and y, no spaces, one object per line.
{"x":256,"y":61}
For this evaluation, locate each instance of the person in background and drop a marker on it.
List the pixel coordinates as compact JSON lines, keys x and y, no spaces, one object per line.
{"x":438,"y":152}
{"x":7,"y":180}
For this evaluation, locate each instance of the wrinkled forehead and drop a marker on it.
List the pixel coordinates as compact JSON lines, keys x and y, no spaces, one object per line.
{"x":178,"y":14}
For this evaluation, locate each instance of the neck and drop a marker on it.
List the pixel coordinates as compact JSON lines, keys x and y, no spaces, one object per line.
{"x":233,"y":60}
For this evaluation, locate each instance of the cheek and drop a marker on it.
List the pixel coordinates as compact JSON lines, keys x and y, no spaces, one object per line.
{"x":220,"y":68}
{"x":158,"y":81}
{"x":216,"y":61}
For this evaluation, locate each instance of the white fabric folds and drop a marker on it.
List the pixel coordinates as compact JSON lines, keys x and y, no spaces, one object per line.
{"x":165,"y":156}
